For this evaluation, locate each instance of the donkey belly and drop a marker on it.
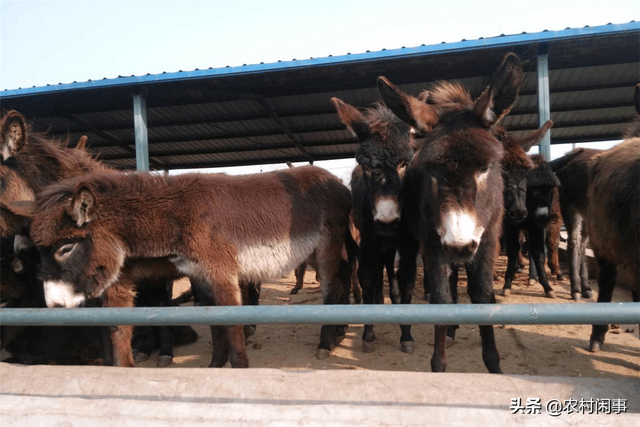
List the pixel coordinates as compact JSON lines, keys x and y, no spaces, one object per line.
{"x":263,"y":261}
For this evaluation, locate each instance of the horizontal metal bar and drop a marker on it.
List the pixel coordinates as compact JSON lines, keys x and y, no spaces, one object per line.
{"x":481,"y":314}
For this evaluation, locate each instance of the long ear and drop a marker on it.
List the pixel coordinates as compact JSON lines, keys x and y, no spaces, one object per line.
{"x":353,"y":118}
{"x":535,"y":137}
{"x":409,"y":109}
{"x":13,"y":134}
{"x":82,"y":206}
{"x":498,"y":98}
{"x":15,"y":216}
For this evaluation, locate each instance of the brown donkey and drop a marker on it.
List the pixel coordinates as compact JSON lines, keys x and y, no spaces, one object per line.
{"x":453,"y":191}
{"x":219,"y":229}
{"x":613,"y":216}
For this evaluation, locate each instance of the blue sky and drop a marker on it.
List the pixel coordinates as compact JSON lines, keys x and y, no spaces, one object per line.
{"x":50,"y":42}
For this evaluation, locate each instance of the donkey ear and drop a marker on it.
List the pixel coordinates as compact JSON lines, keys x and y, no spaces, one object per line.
{"x":353,"y":118}
{"x":411,"y":110}
{"x":13,"y":134}
{"x":82,"y":206}
{"x":498,"y":98}
{"x":535,"y":137}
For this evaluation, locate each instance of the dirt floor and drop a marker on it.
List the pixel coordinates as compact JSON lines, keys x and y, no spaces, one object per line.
{"x":550,"y":350}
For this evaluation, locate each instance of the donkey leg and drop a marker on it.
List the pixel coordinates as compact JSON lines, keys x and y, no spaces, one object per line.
{"x":406,"y":276}
{"x":299,"y":273}
{"x":512,"y":239}
{"x":607,"y":277}
{"x":370,"y":278}
{"x":584,"y":269}
{"x":221,"y":287}
{"x":120,"y":294}
{"x":574,"y":246}
{"x":453,"y":288}
{"x":480,"y":288}
{"x":335,"y":284}
{"x":440,"y":294}
{"x":536,"y":250}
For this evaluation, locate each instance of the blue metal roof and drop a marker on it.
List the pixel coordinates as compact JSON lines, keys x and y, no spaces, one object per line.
{"x":263,"y":113}
{"x":464,"y":45}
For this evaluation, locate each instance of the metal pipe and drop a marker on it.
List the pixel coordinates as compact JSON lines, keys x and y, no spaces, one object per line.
{"x":141,"y":132}
{"x":481,"y":314}
{"x":544,"y":110}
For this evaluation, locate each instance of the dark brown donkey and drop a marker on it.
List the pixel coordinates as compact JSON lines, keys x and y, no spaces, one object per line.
{"x":31,"y":161}
{"x":220,"y":229}
{"x":453,"y":191}
{"x":613,"y":216}
{"x":384,"y":151}
{"x":572,"y":170}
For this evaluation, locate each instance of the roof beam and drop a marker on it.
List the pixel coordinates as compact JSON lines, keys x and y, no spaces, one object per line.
{"x":187,"y":152}
{"x":283,"y":126}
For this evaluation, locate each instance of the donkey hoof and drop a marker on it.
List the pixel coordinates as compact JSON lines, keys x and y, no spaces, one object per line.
{"x":576,"y":296}
{"x":368,"y":346}
{"x":165,"y":361}
{"x":293,"y":292}
{"x":141,"y":357}
{"x":406,"y":347}
{"x":323,"y":353}
{"x":531,"y":282}
{"x":550,"y":294}
{"x":559,"y":276}
{"x":587,"y":294}
{"x":595,"y":346}
{"x":506,"y":292}
{"x":449,"y":341}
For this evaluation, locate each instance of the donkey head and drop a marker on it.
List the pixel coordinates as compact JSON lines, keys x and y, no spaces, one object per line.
{"x":515,"y":165}
{"x":383,"y":155}
{"x":80,"y":257}
{"x":541,"y":186}
{"x":459,"y":162}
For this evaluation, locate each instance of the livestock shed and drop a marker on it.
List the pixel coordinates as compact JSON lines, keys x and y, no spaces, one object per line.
{"x":582,"y":78}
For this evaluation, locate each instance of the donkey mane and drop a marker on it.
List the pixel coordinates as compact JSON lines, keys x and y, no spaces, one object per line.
{"x":450,"y":97}
{"x":542,"y":174}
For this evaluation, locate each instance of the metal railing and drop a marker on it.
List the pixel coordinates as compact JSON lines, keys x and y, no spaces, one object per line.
{"x":446,"y":314}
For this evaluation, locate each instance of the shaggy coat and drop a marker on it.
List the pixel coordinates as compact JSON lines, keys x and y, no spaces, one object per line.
{"x":453,"y":191}
{"x":613,"y":220}
{"x":219,"y":229}
{"x":572,"y":170}
{"x":32,"y":161}
{"x":385,"y":148}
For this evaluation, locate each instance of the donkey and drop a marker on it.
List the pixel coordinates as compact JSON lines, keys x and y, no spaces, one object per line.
{"x":572,"y":170}
{"x":613,"y":216}
{"x":221,"y":229}
{"x":384,"y":151}
{"x":31,"y":161}
{"x":453,"y":191}
{"x":541,"y":183}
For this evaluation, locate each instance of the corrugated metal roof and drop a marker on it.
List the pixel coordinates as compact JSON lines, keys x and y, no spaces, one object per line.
{"x":263,"y":113}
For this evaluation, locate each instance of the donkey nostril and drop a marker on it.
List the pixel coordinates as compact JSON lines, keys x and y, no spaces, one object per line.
{"x":473,"y":245}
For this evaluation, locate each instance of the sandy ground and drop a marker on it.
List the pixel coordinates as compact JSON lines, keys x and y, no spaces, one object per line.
{"x":550,"y":350}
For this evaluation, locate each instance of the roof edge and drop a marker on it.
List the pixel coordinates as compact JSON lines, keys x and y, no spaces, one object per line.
{"x":464,"y":45}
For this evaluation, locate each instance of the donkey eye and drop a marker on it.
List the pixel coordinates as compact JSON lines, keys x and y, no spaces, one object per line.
{"x":64,"y":251}
{"x":485,"y":168}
